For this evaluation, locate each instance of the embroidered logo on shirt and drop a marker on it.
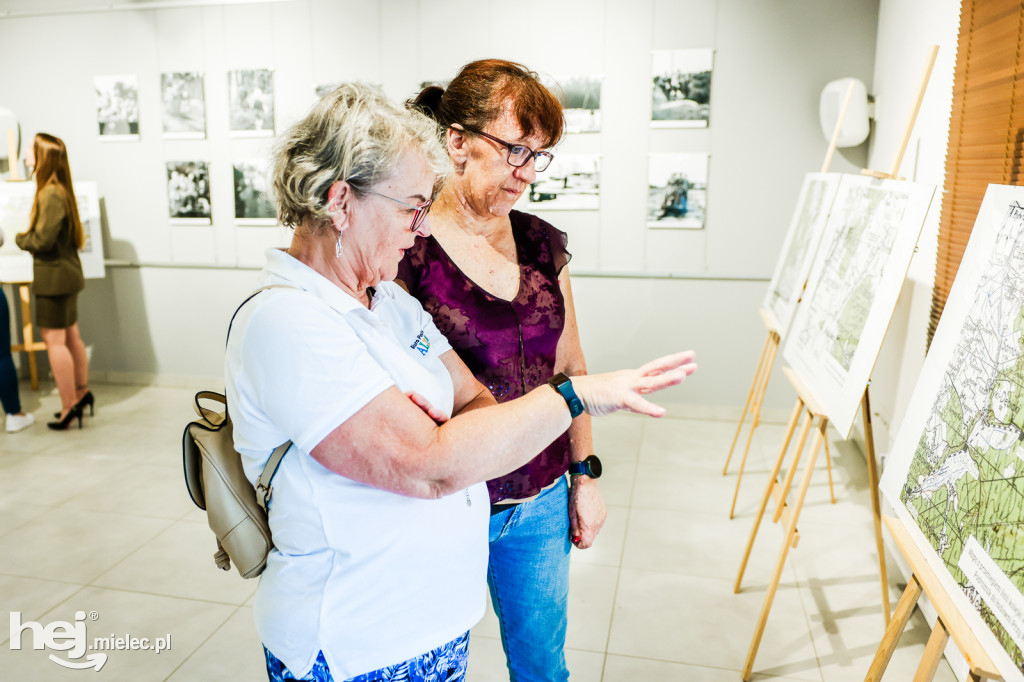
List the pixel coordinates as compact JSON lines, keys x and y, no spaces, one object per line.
{"x":421,"y":344}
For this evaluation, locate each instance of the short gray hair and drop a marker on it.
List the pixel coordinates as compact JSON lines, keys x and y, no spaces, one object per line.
{"x":353,"y":134}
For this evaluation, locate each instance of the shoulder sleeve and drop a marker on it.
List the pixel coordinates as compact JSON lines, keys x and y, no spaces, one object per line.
{"x":559,"y":244}
{"x":410,"y":268}
{"x":300,"y":371}
{"x":547,"y":240}
{"x":50,"y":214}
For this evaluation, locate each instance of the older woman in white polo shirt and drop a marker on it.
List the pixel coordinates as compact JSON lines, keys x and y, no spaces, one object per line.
{"x":379,"y":512}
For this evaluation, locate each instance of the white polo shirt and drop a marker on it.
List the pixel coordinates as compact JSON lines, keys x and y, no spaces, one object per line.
{"x":369,"y":577}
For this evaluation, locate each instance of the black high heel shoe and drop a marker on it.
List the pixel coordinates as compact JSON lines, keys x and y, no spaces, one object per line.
{"x":87,"y":399}
{"x":74,"y":413}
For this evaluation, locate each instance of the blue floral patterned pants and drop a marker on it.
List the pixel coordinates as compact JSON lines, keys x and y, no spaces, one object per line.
{"x":446,"y":663}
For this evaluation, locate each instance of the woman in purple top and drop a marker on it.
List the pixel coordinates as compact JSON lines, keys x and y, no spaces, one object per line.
{"x":496,"y":283}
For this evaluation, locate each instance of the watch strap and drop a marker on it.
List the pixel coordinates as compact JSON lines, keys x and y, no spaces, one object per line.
{"x":563,"y":385}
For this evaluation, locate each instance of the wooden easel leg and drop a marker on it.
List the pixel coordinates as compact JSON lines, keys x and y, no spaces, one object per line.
{"x":750,"y":398}
{"x":784,"y":490}
{"x":876,"y":505}
{"x":828,"y":465}
{"x":787,"y":542}
{"x":756,"y":421}
{"x":791,"y":427}
{"x":28,"y":334}
{"x":904,"y":609}
{"x":772,"y":480}
{"x":932,"y":652}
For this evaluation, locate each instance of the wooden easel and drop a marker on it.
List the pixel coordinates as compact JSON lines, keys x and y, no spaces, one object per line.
{"x":805,"y":399}
{"x":790,"y":514}
{"x":755,"y":397}
{"x":29,"y":345}
{"x":949,"y":623}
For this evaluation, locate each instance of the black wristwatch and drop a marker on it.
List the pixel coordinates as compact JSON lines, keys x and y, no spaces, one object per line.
{"x":563,"y":385}
{"x":591,"y":467}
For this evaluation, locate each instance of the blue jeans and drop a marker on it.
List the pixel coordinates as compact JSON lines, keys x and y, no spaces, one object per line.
{"x":528,"y":574}
{"x":8,"y":377}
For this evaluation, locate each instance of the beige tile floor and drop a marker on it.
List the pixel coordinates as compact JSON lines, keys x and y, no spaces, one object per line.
{"x":98,"y":521}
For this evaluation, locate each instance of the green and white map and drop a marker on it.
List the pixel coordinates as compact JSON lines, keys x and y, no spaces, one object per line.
{"x":869,"y":239}
{"x":802,"y":240}
{"x":958,"y":472}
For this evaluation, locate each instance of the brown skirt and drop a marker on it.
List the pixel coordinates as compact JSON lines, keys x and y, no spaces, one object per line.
{"x":56,"y":312}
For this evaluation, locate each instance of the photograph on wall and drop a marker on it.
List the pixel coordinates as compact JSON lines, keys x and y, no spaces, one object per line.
{"x":677,"y":190}
{"x":439,"y":83}
{"x":955,"y":471}
{"x":252,"y":206}
{"x":799,"y":248}
{"x":571,"y":182}
{"x":580,"y":96}
{"x":324,"y":88}
{"x":184,"y":105}
{"x":251,"y":102}
{"x":117,"y":107}
{"x":681,"y":88}
{"x":870,"y":236}
{"x":188,"y":192}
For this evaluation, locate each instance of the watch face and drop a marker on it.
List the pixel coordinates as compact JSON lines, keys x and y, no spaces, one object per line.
{"x":594,"y":464}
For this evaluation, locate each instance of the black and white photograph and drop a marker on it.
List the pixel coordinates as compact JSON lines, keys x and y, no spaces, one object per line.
{"x":188,"y":192}
{"x":251,"y":102}
{"x":324,"y":88}
{"x":117,"y":107}
{"x":681,"y":88}
{"x":571,"y":182}
{"x":184,"y":105}
{"x":439,"y":83}
{"x":677,"y":190}
{"x":252,"y":207}
{"x":580,"y":96}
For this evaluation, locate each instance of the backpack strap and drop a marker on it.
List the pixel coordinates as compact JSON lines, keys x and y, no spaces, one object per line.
{"x":252,"y":296}
{"x":263,"y":488}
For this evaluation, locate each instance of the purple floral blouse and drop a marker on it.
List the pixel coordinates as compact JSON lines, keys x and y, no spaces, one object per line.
{"x":508,"y":345}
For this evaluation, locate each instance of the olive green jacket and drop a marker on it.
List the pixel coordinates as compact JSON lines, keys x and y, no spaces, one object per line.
{"x":56,"y":269}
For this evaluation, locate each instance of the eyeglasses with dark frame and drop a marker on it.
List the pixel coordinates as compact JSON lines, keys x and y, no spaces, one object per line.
{"x":518,"y":154}
{"x":421,"y":211}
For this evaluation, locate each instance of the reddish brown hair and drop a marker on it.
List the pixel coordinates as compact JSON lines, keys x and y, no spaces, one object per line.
{"x":52,"y":168}
{"x":482,"y":90}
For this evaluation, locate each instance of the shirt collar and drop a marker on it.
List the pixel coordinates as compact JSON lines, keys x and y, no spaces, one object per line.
{"x":283,"y":268}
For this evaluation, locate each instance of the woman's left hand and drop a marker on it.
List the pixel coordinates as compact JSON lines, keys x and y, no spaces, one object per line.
{"x":587,"y":512}
{"x":419,"y":401}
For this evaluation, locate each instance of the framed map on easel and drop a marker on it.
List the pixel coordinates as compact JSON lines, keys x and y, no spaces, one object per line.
{"x":15,"y":212}
{"x":956,"y":471}
{"x":863,"y":258}
{"x":802,"y":239}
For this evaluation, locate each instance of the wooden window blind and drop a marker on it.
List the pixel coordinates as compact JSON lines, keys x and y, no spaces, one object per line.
{"x":986,"y":128}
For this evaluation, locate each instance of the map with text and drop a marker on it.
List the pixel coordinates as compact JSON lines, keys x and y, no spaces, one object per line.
{"x":858,"y":272}
{"x":802,"y":240}
{"x":964,"y":486}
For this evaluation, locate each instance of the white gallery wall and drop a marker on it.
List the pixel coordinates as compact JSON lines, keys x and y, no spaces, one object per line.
{"x":161,"y":312}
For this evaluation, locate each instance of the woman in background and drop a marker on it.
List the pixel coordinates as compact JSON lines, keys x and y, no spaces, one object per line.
{"x":53,"y":238}
{"x":496,"y":283}
{"x":17,"y":419}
